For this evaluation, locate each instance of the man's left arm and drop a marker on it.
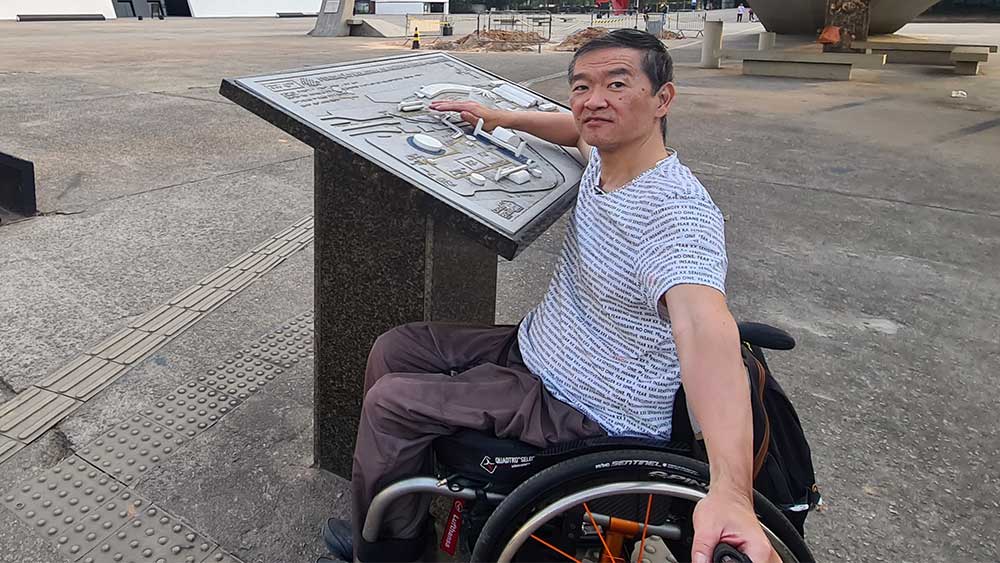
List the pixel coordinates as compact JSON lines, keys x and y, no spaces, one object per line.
{"x":718,"y":393}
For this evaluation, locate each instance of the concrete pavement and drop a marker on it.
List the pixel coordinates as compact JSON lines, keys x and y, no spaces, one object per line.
{"x":862,"y":216}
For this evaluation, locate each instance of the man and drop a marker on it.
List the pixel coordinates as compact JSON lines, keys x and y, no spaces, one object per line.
{"x":740,"y":10}
{"x":635,"y":307}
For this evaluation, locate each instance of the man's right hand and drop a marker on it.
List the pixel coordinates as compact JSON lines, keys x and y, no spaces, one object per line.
{"x":472,"y":112}
{"x":555,"y":127}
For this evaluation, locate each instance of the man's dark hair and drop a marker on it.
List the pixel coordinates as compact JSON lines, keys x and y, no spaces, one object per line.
{"x":657,"y":64}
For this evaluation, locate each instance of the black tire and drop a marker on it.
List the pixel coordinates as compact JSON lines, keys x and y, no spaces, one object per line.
{"x":600,"y":468}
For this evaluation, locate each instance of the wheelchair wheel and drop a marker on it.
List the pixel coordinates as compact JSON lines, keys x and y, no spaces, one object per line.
{"x":607,"y":505}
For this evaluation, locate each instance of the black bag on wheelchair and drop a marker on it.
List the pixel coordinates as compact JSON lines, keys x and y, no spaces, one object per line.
{"x":783,"y":468}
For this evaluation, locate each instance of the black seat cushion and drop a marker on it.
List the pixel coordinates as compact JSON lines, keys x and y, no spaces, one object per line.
{"x":482,"y":457}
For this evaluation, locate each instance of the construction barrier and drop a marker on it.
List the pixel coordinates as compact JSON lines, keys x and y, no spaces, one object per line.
{"x":611,"y":20}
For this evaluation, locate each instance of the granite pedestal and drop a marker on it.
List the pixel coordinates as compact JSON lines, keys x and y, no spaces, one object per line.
{"x":383,"y":258}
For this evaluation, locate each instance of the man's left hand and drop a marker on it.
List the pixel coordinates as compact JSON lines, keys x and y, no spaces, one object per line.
{"x":727,"y":516}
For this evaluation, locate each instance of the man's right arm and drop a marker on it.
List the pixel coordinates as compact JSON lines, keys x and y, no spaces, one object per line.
{"x":556,"y":127}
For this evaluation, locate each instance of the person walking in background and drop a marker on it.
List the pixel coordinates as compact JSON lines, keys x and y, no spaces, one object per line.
{"x":740,"y":10}
{"x":750,"y":12}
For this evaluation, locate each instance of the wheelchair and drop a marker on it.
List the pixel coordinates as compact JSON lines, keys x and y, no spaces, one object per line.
{"x":598,"y":500}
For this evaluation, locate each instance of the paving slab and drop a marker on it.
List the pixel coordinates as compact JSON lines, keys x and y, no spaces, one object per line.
{"x":79,"y":278}
{"x":125,"y":152}
{"x":27,"y":88}
{"x":521,"y":283}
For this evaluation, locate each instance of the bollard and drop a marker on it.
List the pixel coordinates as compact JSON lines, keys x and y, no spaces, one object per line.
{"x":711,"y":48}
{"x":765,"y":41}
{"x":416,"y":39}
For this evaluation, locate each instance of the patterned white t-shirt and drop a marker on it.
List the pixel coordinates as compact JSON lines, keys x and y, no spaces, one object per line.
{"x":598,"y":340}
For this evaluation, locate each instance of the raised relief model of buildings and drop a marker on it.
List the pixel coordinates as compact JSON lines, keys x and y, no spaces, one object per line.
{"x":380,"y":109}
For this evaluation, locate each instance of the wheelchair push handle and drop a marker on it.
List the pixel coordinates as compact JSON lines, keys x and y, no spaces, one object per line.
{"x":725,"y":553}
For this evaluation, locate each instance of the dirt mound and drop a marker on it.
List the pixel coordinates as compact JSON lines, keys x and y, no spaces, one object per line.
{"x":576,"y":40}
{"x":492,"y":41}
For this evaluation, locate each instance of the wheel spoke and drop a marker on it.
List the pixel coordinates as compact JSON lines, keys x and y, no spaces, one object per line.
{"x":554,"y":548}
{"x":645,"y":527}
{"x":599,"y":534}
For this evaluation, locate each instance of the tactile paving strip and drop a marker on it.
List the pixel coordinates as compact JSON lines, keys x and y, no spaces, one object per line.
{"x":289,"y":344}
{"x":238,"y":377}
{"x":131,"y":448}
{"x":153,"y":535}
{"x":129,"y":346}
{"x":191,"y":409}
{"x":8,"y":448}
{"x":74,"y":505}
{"x":84,"y":377}
{"x":32,"y":412}
{"x":179,"y":323}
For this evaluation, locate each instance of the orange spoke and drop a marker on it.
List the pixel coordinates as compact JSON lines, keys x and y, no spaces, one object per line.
{"x":599,"y":534}
{"x":645,"y":527}
{"x":554,"y":548}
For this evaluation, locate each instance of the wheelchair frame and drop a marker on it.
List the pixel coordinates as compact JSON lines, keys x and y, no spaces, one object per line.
{"x":442,"y":487}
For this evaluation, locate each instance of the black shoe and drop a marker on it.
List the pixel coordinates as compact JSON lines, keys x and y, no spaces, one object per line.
{"x":339,"y":539}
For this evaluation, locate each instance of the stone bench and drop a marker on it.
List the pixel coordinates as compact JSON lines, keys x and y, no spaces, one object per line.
{"x":797,"y":64}
{"x":858,"y":60}
{"x":968,"y":59}
{"x":913,"y":52}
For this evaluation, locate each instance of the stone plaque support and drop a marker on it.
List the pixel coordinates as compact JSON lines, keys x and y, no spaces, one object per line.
{"x":381,"y":260}
{"x":331,"y":21}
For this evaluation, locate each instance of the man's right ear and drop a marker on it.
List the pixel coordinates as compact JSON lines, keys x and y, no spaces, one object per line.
{"x":666,"y":96}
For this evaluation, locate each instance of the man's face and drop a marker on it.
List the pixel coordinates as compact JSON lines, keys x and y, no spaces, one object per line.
{"x":613,"y":100}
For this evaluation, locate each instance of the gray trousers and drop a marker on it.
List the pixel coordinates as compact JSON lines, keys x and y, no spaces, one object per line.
{"x":426,"y":380}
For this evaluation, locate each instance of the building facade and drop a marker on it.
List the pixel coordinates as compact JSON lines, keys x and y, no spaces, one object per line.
{"x":11,"y":9}
{"x":110,"y":9}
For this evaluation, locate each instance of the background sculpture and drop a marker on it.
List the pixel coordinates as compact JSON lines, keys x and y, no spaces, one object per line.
{"x":806,"y":17}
